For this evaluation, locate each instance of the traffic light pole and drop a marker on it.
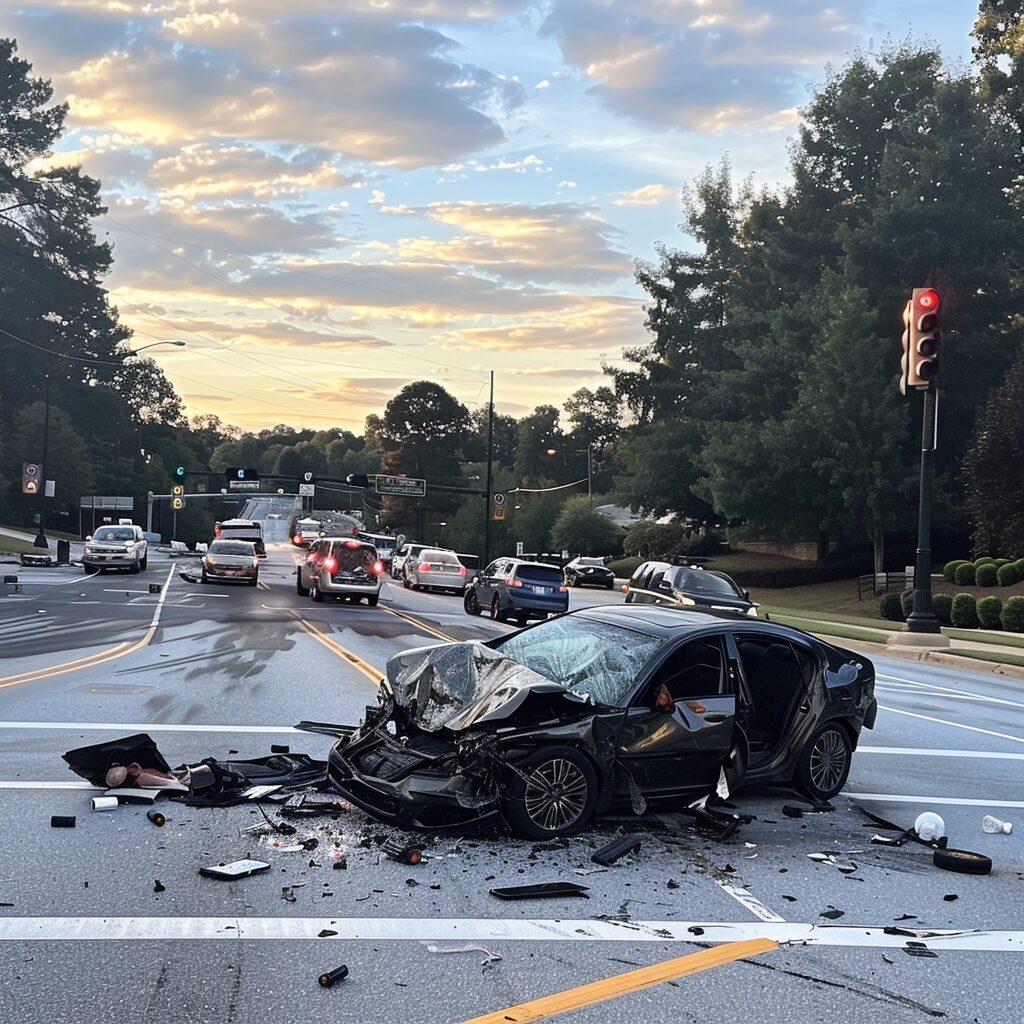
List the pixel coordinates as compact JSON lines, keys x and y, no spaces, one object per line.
{"x":490,"y":477}
{"x":922,"y":619}
{"x":41,"y":541}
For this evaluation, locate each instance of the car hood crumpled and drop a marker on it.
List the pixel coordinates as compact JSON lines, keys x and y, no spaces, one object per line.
{"x":458,"y":686}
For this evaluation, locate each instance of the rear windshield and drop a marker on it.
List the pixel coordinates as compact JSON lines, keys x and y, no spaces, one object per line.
{"x":231,"y":547}
{"x":584,"y":655}
{"x":543,"y":575}
{"x":698,"y":582}
{"x":108,"y":533}
{"x":349,"y":559}
{"x":590,"y":561}
{"x":445,"y":557}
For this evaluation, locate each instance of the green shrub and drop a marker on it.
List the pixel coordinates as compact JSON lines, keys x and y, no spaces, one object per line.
{"x":907,"y":602}
{"x":891,"y":608}
{"x":964,"y":612}
{"x":949,"y":569}
{"x":985,"y":575}
{"x":964,"y":575}
{"x":1013,"y":614}
{"x":942,"y":605}
{"x":985,"y":560}
{"x":1007,"y":575}
{"x":1019,"y":566}
{"x":990,"y":610}
{"x":1003,"y":561}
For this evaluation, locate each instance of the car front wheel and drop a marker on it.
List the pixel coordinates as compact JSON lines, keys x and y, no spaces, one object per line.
{"x":471,"y":603}
{"x":299,"y":588}
{"x":314,"y":593}
{"x":144,"y":564}
{"x":553,"y":794}
{"x":824,"y":764}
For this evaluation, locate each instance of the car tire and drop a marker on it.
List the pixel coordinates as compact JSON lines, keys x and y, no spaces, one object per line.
{"x":87,"y":569}
{"x":497,"y":615}
{"x":254,"y":582}
{"x":471,"y":603}
{"x":522,"y":620}
{"x":314,"y":593}
{"x":824,"y":763}
{"x":537,"y":808}
{"x":406,"y":585}
{"x":203,"y":578}
{"x":964,"y":862}
{"x":136,"y":568}
{"x":372,"y":600}
{"x":610,"y":586}
{"x":299,"y":588}
{"x":144,"y":564}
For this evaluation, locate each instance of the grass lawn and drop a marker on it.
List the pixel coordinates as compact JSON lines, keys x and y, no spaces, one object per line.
{"x":985,"y":637}
{"x":12,"y":546}
{"x":1002,"y":659}
{"x":870,"y":636}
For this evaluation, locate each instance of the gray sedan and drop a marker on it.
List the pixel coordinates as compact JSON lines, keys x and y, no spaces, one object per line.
{"x":435,"y":569}
{"x":231,"y":560}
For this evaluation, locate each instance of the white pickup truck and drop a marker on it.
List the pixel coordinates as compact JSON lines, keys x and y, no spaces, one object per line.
{"x":116,"y":547}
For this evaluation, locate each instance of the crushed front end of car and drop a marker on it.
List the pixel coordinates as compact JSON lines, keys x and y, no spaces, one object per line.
{"x":450,"y":725}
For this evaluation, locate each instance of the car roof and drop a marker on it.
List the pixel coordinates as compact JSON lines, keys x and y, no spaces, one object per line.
{"x":521,"y":563}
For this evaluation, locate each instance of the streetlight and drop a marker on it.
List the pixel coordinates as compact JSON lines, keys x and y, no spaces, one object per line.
{"x":580,"y":451}
{"x":153,"y":344}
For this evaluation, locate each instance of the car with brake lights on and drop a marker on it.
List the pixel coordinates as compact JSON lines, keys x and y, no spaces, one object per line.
{"x":305,"y":532}
{"x":580,"y":715}
{"x":231,"y":560}
{"x":403,"y":553}
{"x":511,"y":588}
{"x":589,"y":572}
{"x":116,"y":547}
{"x":690,"y":586}
{"x":341,"y":569}
{"x":385,"y":543}
{"x":435,"y":569}
{"x":242,"y":529}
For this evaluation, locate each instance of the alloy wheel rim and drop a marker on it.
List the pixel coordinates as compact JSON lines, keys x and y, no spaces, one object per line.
{"x":828,"y":760}
{"x":556,"y":794}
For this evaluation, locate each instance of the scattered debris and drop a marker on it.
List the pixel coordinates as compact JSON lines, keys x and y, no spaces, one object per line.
{"x":340,"y":864}
{"x":236,"y":869}
{"x":329,"y":978}
{"x":326,"y":933}
{"x":288,"y":891}
{"x":695,"y":930}
{"x":963,"y":862}
{"x":577,"y":871}
{"x":950,"y":897}
{"x":105,"y":803}
{"x":792,"y":812}
{"x":842,"y":866}
{"x":918,"y":949}
{"x":403,"y":854}
{"x":672,"y":884}
{"x":157,"y":817}
{"x":615,"y":850}
{"x":158,"y":886}
{"x":543,"y":890}
{"x":489,"y":957}
{"x":62,"y":821}
{"x":993,"y":826}
{"x":832,"y":914}
{"x":789,"y":899}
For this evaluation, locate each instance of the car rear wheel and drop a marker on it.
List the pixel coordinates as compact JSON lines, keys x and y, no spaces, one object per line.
{"x":315,"y":593}
{"x":372,"y":600}
{"x":299,"y":588}
{"x":610,"y":586}
{"x":254,"y":582}
{"x":136,"y":568}
{"x":554,"y":794}
{"x":203,"y":578}
{"x":497,"y":615}
{"x":144,"y":564}
{"x":824,"y":763}
{"x":471,"y":603}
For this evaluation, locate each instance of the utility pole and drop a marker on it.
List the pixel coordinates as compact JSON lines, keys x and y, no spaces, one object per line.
{"x":590,"y":488}
{"x":490,"y":477}
{"x":41,"y":541}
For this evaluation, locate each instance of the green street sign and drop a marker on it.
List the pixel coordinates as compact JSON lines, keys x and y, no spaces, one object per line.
{"x":405,"y":486}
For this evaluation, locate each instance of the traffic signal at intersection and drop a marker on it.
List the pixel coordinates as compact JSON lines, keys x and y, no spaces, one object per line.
{"x":31,"y":477}
{"x":922,"y":339}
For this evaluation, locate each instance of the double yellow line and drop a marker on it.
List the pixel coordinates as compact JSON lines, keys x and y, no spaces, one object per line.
{"x":359,"y":664}
{"x":420,"y":624}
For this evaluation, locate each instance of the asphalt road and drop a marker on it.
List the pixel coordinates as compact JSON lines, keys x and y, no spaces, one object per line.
{"x":212,"y":670}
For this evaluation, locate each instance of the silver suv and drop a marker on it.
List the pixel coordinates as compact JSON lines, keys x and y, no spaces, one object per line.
{"x":340,"y":568}
{"x":116,"y":547}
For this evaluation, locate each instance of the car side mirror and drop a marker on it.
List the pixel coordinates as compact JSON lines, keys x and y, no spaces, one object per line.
{"x":663,"y":701}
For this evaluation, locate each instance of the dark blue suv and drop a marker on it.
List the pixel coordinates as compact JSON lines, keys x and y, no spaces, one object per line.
{"x":510,"y":588}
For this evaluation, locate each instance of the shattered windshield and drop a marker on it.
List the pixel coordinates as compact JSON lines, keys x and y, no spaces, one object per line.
{"x":584,"y":655}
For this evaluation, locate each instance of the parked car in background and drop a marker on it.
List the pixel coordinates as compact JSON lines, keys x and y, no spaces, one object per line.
{"x":305,"y":531}
{"x":338,"y":568}
{"x":385,"y":544}
{"x":405,"y":551}
{"x":231,"y":560}
{"x":242,"y":529}
{"x":116,"y":547}
{"x":549,"y":725}
{"x":510,"y":588}
{"x":435,"y":569}
{"x":589,"y":572}
{"x":688,"y":586}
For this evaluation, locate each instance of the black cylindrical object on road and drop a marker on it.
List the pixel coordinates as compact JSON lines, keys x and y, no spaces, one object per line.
{"x":62,"y":821}
{"x":63,"y":552}
{"x":328,"y":978}
{"x":157,"y":818}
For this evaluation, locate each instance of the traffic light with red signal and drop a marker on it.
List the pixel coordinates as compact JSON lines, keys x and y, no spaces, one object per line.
{"x":922,"y":339}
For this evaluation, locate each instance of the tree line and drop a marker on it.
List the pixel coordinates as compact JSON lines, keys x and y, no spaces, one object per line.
{"x":764,"y":396}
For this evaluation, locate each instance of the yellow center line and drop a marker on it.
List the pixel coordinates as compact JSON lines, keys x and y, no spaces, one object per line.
{"x":420,"y":624}
{"x":78,"y":663}
{"x":371,"y":673}
{"x":623,"y":984}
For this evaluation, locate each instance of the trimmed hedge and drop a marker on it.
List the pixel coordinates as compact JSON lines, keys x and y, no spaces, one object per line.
{"x":942,"y":605}
{"x":907,"y":602}
{"x":1003,"y":561}
{"x":964,"y":575}
{"x":950,"y":568}
{"x":1013,"y":614}
{"x":985,"y":575}
{"x":1007,"y":575}
{"x":985,"y":560}
{"x":891,"y":608}
{"x":837,"y":569}
{"x":990,"y":610}
{"x":964,"y":612}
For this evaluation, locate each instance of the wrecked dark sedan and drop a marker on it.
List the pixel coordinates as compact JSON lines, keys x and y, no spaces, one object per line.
{"x":603,"y":708}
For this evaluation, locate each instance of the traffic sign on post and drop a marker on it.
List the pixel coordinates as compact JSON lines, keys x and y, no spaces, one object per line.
{"x":31,"y":475}
{"x":307,"y":490}
{"x":406,"y":486}
{"x":308,"y":477}
{"x":499,"y":505}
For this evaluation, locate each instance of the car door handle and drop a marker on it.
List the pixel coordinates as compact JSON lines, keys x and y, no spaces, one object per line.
{"x":715,"y":716}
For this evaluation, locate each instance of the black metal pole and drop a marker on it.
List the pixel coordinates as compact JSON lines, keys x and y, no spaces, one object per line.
{"x":922,"y":619}
{"x":41,"y":541}
{"x":490,"y":477}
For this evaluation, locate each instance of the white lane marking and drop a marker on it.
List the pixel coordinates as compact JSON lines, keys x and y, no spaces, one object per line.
{"x":377,"y":929}
{"x":957,"y":694}
{"x":149,"y":727}
{"x":954,"y":725}
{"x":931,"y":752}
{"x":34,"y":581}
{"x":952,"y":801}
{"x":747,"y":899}
{"x":185,"y":597}
{"x":163,"y":597}
{"x":21,"y":784}
{"x":118,"y":590}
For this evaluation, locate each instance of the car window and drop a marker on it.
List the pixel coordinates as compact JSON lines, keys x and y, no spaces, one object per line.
{"x":657,"y":577}
{"x":591,"y":561}
{"x":636,"y":580}
{"x":540,"y":575}
{"x":231,"y":547}
{"x":350,"y":558}
{"x":114,"y":533}
{"x":696,"y":581}
{"x":588,"y":656}
{"x":697,"y":669}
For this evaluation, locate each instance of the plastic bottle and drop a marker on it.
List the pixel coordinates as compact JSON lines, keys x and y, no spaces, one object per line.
{"x":994,"y":825}
{"x":929,"y":825}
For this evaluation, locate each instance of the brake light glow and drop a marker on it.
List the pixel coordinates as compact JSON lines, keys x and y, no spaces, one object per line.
{"x":563,"y":590}
{"x":462,"y":570}
{"x":378,"y":567}
{"x":216,"y":530}
{"x":297,"y":539}
{"x":515,"y":583}
{"x":330,"y":564}
{"x":424,"y":567}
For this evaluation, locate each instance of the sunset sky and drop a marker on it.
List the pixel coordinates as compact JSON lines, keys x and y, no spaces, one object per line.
{"x":330,"y":202}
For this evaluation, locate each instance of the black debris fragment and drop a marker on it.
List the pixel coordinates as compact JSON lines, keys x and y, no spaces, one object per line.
{"x":326,"y":933}
{"x":340,"y":864}
{"x":695,"y":930}
{"x":950,"y":897}
{"x":329,"y":978}
{"x":616,"y":849}
{"x":403,"y":854}
{"x":792,"y":812}
{"x":790,"y":899}
{"x":311,"y":843}
{"x":157,"y":817}
{"x":919,"y":949}
{"x":672,"y":884}
{"x":543,"y":890}
{"x":158,"y":886}
{"x":832,"y":914}
{"x":906,"y":917}
{"x":62,"y":821}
